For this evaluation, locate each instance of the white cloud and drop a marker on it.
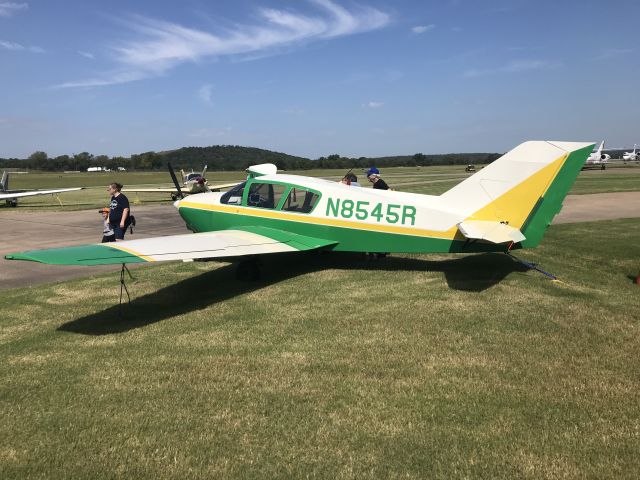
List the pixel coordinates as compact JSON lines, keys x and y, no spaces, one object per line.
{"x":162,"y":45}
{"x":16,"y":47}
{"x":86,"y":54}
{"x":613,"y":52}
{"x":211,"y":133}
{"x":516,"y":66}
{"x":373,"y":104}
{"x":9,"y":8}
{"x":205,"y":93}
{"x":423,"y":28}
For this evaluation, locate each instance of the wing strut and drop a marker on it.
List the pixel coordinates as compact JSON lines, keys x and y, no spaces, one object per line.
{"x":123,"y":285}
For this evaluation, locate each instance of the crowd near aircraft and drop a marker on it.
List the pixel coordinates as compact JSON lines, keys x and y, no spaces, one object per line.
{"x":630,"y":156}
{"x":597,"y":158}
{"x":11,"y":196}
{"x":507,"y":205}
{"x":192,"y":183}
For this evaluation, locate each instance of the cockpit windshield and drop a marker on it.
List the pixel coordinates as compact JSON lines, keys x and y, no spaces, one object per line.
{"x":234,"y":196}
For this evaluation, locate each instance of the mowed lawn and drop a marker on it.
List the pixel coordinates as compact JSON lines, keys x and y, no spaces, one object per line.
{"x":333,"y":366}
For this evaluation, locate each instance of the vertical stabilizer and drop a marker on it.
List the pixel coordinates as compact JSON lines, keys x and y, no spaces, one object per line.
{"x":523,"y":189}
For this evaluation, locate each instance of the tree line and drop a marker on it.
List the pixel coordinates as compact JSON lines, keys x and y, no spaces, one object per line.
{"x":232,"y":158}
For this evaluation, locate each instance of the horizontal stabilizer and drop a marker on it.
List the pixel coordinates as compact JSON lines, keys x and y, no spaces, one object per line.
{"x":494,"y":232}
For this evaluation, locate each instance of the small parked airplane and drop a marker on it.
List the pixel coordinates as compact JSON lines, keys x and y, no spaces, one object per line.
{"x":630,"y":156}
{"x":192,"y":183}
{"x":507,"y":205}
{"x":11,"y":196}
{"x":597,"y":158}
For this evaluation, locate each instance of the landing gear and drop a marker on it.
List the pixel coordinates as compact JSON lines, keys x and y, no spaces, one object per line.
{"x":248,"y":270}
{"x":13,"y":202}
{"x":603,"y":167}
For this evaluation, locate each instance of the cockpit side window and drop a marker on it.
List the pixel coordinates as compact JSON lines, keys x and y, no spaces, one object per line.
{"x":300,"y":200}
{"x":265,"y":195}
{"x":233,"y":196}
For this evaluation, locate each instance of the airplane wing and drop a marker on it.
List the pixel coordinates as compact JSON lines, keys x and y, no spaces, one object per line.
{"x":224,"y":243}
{"x":213,"y":188}
{"x":216,"y":188}
{"x":494,"y":232}
{"x":7,"y":196}
{"x":161,"y":190}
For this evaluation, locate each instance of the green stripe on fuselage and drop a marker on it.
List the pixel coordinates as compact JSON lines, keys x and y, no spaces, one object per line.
{"x":346,"y":239}
{"x":95,"y":254}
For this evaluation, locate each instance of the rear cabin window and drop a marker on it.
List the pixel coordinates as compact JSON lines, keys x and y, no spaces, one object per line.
{"x":300,"y":200}
{"x":265,"y":195}
{"x":234,"y":196}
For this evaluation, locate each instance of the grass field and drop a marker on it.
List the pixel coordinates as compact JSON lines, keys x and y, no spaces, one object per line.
{"x":428,"y":180}
{"x":435,"y":366}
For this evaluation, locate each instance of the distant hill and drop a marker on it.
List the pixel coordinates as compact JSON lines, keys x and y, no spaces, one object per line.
{"x":233,"y":158}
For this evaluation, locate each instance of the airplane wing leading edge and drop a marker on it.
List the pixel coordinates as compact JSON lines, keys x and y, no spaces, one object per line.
{"x":33,"y":193}
{"x":226,"y":243}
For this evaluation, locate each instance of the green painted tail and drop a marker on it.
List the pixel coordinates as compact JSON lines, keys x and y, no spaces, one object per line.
{"x":550,"y":203}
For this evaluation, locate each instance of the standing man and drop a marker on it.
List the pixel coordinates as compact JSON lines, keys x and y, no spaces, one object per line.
{"x":373,"y":175}
{"x":119,"y":213}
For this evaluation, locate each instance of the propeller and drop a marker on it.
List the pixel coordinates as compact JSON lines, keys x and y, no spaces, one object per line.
{"x":175,"y":180}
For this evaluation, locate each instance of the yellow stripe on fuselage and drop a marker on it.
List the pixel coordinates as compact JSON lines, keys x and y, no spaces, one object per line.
{"x":292,"y":217}
{"x":514,"y":206}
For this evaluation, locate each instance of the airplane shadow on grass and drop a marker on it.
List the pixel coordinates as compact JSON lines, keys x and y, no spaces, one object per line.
{"x":473,"y":273}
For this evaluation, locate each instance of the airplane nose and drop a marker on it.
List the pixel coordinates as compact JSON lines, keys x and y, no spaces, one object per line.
{"x":177,"y":203}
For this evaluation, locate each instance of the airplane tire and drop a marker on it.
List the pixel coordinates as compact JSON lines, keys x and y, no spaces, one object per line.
{"x":603,"y":167}
{"x":248,"y":271}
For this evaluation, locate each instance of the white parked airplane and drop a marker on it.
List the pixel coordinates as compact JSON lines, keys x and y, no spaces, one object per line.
{"x":11,"y":196}
{"x":191,"y":183}
{"x":597,"y":158}
{"x":631,"y":156}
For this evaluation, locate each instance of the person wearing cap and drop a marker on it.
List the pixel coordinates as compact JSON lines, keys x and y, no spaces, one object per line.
{"x":373,"y":175}
{"x":108,"y":235}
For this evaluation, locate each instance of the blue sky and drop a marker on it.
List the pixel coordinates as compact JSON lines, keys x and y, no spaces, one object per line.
{"x":316,"y":77}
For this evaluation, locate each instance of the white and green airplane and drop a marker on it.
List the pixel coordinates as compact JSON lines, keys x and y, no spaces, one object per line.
{"x":507,"y":205}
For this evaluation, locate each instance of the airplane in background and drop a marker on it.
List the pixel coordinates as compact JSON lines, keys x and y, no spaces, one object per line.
{"x":597,"y":158}
{"x":505,"y":206}
{"x":11,"y":196}
{"x":192,"y":183}
{"x":630,"y":156}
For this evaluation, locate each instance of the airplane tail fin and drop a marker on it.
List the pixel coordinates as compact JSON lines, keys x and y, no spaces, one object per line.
{"x":523,"y":189}
{"x":4,"y":183}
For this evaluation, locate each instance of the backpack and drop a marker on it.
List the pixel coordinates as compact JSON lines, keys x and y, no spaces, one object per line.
{"x":130,"y":222}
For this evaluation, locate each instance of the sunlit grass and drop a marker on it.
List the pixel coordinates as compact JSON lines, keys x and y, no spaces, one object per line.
{"x":333,"y":366}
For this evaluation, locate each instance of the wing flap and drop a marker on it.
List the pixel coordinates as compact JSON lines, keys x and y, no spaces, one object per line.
{"x":225,"y":243}
{"x":494,"y":232}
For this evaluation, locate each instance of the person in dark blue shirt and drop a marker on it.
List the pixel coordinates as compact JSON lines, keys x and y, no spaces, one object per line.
{"x":119,"y":210}
{"x":373,"y":175}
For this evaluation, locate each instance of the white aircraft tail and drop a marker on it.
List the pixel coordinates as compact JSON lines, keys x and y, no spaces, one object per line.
{"x":4,"y":183}
{"x":523,"y":189}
